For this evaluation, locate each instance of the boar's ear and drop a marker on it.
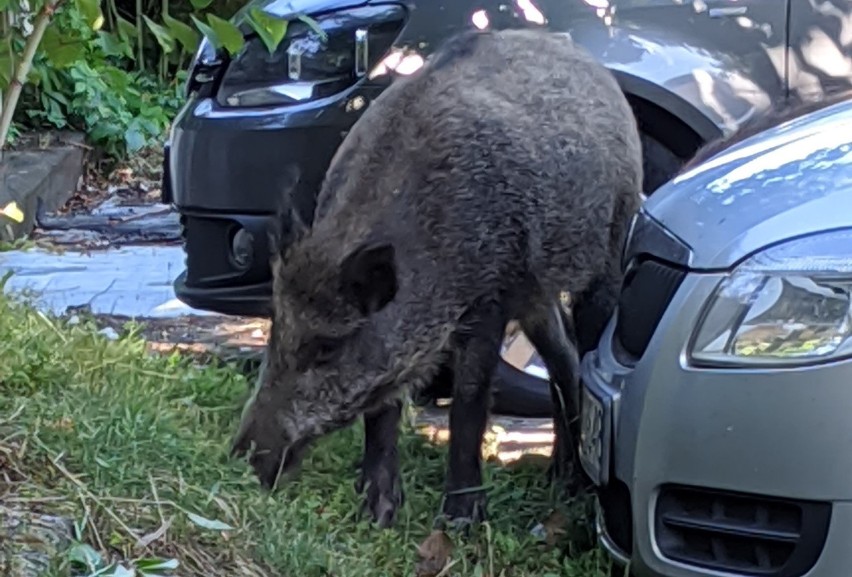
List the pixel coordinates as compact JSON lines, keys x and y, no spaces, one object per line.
{"x":368,"y":277}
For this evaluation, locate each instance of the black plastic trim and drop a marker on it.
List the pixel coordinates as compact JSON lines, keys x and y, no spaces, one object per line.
{"x":647,"y":291}
{"x":795,"y":529}
{"x":166,"y":196}
{"x":246,"y":300}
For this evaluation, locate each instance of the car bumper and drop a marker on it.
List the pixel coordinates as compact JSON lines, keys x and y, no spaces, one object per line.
{"x":226,"y":172}
{"x":717,"y":472}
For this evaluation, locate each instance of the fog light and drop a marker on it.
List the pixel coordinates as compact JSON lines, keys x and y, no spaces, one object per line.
{"x":241,"y":248}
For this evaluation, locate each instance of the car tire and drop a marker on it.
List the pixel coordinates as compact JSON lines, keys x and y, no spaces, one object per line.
{"x":659,"y":163}
{"x":520,"y":394}
{"x":515,"y":393}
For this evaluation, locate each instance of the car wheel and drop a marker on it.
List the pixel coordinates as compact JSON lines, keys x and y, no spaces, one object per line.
{"x":516,"y":392}
{"x":519,"y":393}
{"x":659,"y":164}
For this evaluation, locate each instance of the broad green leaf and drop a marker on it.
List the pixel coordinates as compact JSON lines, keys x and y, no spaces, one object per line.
{"x":208,"y":32}
{"x":201,"y":4}
{"x":209,"y":523}
{"x":8,"y":59}
{"x":84,"y":555}
{"x":162,"y":34}
{"x":34,"y":78}
{"x":270,"y":29}
{"x":147,"y":565}
{"x":134,"y":140}
{"x":229,"y":35}
{"x":61,"y":50}
{"x":4,"y":4}
{"x":117,"y":570}
{"x":126,"y":29}
{"x":183,"y":33}
{"x":113,"y":45}
{"x":314,"y":25}
{"x":91,"y":11}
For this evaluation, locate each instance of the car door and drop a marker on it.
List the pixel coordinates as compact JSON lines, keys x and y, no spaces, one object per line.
{"x":726,"y":58}
{"x":820,"y":55}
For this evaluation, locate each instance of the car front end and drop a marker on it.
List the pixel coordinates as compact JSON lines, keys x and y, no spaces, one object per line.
{"x":289,"y":109}
{"x":715,"y":408}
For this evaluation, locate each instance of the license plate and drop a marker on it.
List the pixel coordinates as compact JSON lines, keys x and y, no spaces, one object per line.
{"x":595,"y":427}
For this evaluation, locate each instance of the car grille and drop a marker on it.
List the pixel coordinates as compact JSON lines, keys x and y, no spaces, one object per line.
{"x":617,"y":512}
{"x":741,"y":534}
{"x":646,"y":293}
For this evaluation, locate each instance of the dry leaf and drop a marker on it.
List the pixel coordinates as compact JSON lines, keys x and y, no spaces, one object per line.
{"x":434,"y":554}
{"x":552,"y":528}
{"x":150,"y":538}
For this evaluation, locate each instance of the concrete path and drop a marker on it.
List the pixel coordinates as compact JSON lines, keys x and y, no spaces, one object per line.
{"x":131,"y":281}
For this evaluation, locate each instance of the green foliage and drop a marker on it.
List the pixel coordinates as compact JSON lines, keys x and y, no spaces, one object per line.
{"x":120,"y":111}
{"x":116,"y":68}
{"x":271,"y":30}
{"x":78,"y":80}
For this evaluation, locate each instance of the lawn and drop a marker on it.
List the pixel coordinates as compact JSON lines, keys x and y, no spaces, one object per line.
{"x":133,"y":449}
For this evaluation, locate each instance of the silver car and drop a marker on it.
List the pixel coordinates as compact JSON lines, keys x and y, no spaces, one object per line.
{"x":717,"y":408}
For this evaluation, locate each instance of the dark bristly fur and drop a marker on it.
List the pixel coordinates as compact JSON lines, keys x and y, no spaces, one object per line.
{"x":471,"y":193}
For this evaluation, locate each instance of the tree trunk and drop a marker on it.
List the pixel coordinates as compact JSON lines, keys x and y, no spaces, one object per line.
{"x":10,"y":102}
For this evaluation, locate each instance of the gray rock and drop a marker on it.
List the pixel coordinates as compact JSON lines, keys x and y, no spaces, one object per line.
{"x":39,"y":180}
{"x":30,"y":543}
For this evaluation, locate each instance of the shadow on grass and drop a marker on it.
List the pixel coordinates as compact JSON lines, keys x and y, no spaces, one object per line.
{"x":133,"y":448}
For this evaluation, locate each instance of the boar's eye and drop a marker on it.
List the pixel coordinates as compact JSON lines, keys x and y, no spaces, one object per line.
{"x":318,"y":351}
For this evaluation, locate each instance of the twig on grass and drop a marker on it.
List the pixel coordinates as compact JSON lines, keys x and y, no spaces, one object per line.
{"x":15,"y":414}
{"x":82,"y":487}
{"x":88,"y":516}
{"x":446,"y":570}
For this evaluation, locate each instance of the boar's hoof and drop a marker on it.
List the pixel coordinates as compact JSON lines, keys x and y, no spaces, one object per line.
{"x":462,"y":510}
{"x":382,"y":491}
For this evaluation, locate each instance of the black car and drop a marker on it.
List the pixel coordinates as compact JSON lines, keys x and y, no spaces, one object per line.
{"x":260,"y":126}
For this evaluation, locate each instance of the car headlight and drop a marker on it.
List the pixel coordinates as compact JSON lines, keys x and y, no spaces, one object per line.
{"x":787,"y":305}
{"x":309,"y":65}
{"x":202,"y":67}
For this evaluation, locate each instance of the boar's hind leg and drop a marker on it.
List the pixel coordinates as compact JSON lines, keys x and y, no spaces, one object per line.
{"x":379,"y":478}
{"x":594,"y":307}
{"x":551,"y":333}
{"x":476,"y":353}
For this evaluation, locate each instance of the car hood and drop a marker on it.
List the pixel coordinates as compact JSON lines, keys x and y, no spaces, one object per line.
{"x":788,"y":181}
{"x":288,"y":9}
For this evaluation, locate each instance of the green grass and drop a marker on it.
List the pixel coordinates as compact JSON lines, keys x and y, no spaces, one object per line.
{"x":130,"y":446}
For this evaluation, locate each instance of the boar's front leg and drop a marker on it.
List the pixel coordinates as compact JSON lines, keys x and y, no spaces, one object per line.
{"x":476,"y":353}
{"x":379,"y":478}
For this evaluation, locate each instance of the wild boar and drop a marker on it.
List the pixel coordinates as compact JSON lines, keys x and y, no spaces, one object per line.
{"x":473,"y":192}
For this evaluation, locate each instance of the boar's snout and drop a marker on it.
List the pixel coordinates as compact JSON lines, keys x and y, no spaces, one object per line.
{"x":271,"y":450}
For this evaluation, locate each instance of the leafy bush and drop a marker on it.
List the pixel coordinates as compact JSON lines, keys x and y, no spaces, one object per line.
{"x":83,"y":82}
{"x":114,"y":70}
